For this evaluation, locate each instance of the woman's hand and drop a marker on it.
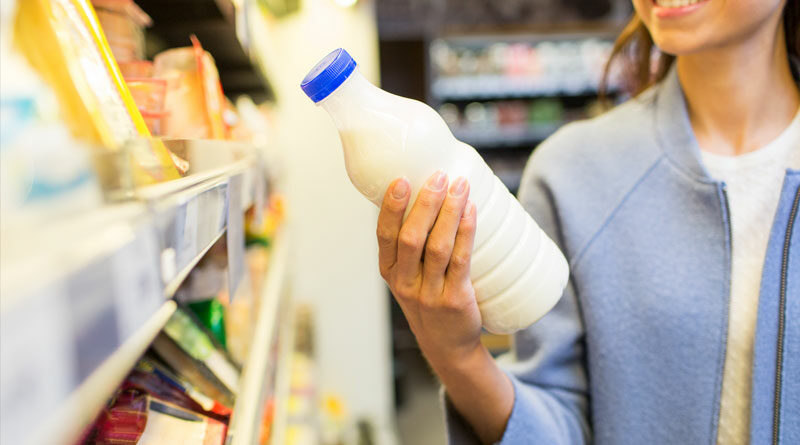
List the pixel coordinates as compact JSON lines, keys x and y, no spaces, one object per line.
{"x":426,"y":262}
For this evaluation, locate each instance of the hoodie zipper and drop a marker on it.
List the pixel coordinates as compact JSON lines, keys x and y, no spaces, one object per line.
{"x":776,"y":418}
{"x":729,"y":227}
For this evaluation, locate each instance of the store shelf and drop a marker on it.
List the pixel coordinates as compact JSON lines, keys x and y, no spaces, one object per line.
{"x":506,"y":136}
{"x":247,"y":413}
{"x":191,"y":213}
{"x":84,"y":298}
{"x":499,"y":86}
{"x":214,"y":24}
{"x":88,"y":399}
{"x":283,"y":382}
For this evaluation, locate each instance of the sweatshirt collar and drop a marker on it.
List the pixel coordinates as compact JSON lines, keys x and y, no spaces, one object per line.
{"x":674,"y":131}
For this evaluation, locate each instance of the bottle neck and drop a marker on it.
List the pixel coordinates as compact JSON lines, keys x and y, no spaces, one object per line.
{"x":354,"y":92}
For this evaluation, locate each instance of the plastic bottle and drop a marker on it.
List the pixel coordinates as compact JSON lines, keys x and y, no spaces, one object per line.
{"x":518,"y":273}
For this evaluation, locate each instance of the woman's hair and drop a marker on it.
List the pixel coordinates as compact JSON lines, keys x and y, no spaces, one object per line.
{"x":641,"y":64}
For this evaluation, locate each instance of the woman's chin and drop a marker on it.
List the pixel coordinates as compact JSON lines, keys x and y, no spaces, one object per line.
{"x":678,"y":43}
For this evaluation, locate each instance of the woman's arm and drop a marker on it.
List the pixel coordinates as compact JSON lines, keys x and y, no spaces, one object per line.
{"x":426,"y":261}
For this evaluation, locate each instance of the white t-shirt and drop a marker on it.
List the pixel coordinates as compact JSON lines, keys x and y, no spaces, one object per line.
{"x":753,"y":181}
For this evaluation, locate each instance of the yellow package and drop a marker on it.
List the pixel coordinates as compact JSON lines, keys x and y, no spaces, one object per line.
{"x":62,"y":39}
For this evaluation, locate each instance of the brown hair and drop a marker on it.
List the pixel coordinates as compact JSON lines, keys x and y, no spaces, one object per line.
{"x":642,"y":64}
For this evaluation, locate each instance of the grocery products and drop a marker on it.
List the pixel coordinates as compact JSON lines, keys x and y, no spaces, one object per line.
{"x":194,"y":97}
{"x":137,"y":417}
{"x":212,"y":314}
{"x":517,"y":271}
{"x":62,"y":39}
{"x":157,"y":379}
{"x":123,"y":23}
{"x":188,"y":350}
{"x":44,"y":172}
{"x":544,"y":65}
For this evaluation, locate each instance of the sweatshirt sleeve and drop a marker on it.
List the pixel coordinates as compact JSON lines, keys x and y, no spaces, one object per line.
{"x":547,"y":365}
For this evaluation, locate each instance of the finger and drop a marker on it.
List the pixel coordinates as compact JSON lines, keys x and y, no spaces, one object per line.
{"x":390,"y":219}
{"x":414,"y":232}
{"x":458,"y":269}
{"x":440,"y":243}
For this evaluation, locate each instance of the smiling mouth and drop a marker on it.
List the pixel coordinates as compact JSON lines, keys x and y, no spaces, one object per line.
{"x":677,"y":3}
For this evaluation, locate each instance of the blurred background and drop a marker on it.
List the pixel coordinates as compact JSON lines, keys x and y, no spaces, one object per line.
{"x":184,"y":259}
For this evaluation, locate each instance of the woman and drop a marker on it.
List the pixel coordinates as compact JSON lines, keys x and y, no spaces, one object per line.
{"x":678,"y":212}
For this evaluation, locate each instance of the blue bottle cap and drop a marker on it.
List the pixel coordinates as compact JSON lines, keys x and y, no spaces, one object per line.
{"x":328,"y":74}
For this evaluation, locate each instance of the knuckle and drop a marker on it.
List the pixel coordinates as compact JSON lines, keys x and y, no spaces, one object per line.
{"x":450,"y":209}
{"x":467,"y":225}
{"x":427,"y":199}
{"x":404,"y":292}
{"x":429,"y":304}
{"x":438,"y":251}
{"x":460,"y":260}
{"x":409,"y":239}
{"x":385,"y":235}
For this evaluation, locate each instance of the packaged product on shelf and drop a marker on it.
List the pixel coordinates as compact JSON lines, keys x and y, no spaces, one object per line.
{"x":136,"y":68}
{"x":194,"y":96}
{"x":168,"y":424}
{"x":62,"y":39}
{"x":148,"y":93}
{"x":212,"y":314}
{"x":123,"y":23}
{"x":194,"y":371}
{"x":200,"y":292}
{"x":155,"y":378}
{"x":136,"y":417}
{"x":44,"y":172}
{"x":182,"y":332}
{"x":240,"y":319}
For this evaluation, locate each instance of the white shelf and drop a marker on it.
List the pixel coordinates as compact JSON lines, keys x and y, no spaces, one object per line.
{"x":245,"y":424}
{"x":82,"y":299}
{"x":80,"y":408}
{"x":284,"y":379}
{"x":488,"y":86}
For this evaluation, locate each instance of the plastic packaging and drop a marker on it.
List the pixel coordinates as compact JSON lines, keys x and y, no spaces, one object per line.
{"x":135,"y":417}
{"x":148,"y":93}
{"x":518,"y":272}
{"x":194,"y":97}
{"x":136,"y":68}
{"x":123,"y":23}
{"x":63,"y":41}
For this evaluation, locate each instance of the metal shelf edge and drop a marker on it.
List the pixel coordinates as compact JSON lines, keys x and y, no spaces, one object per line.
{"x":246,"y":411}
{"x":86,"y":401}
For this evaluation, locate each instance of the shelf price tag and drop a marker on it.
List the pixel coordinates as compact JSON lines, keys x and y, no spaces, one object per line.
{"x":235,"y":238}
{"x":137,"y":287}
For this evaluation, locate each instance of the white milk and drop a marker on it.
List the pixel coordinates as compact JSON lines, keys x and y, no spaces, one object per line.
{"x":518,"y":273}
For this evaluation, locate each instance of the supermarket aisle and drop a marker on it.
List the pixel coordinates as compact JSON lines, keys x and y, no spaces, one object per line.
{"x":420,"y":419}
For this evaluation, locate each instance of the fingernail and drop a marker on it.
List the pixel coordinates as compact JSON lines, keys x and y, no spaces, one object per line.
{"x":469,"y":210}
{"x":400,"y":189}
{"x":458,"y":187}
{"x":436,"y":183}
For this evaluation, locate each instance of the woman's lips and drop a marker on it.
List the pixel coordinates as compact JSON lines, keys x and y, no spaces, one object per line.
{"x":666,"y":9}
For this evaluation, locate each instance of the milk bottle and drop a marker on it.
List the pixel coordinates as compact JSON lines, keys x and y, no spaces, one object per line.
{"x":517,"y":271}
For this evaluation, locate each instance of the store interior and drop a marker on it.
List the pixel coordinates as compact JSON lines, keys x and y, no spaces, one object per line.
{"x":184,"y":259}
